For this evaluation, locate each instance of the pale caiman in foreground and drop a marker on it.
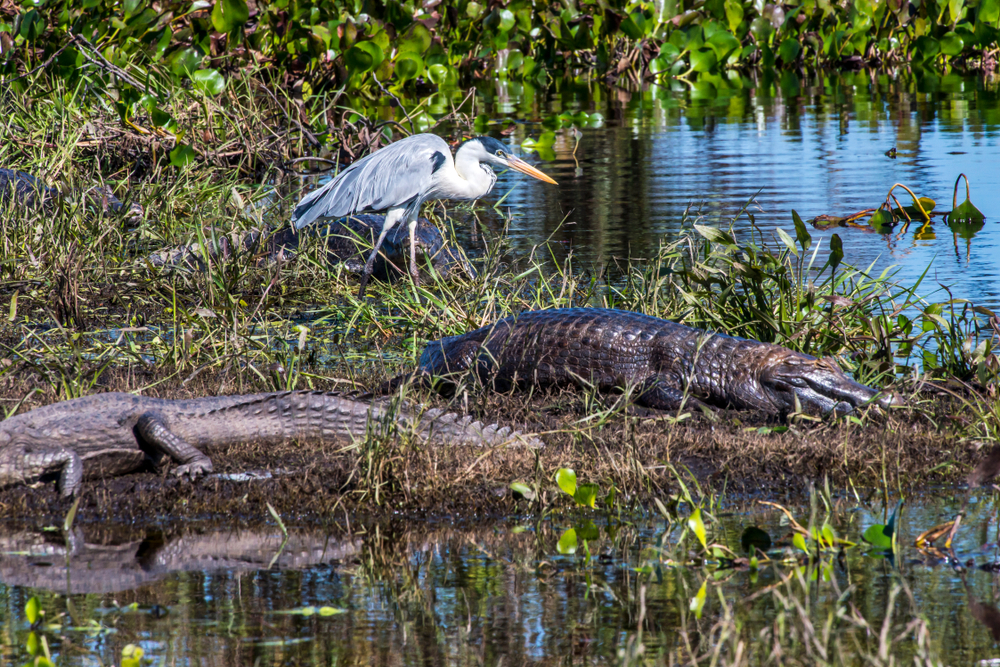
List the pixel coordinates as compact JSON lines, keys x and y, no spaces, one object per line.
{"x":114,"y":433}
{"x":665,"y":363}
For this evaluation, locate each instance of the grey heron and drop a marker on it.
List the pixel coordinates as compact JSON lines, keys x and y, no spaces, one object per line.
{"x":400,"y":177}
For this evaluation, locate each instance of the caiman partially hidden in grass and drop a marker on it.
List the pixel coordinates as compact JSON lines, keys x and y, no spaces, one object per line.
{"x":664,"y":362}
{"x":114,"y":433}
{"x":345,"y":241}
{"x":28,"y":192}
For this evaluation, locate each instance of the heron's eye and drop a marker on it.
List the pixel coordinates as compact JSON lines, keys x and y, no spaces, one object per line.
{"x":500,"y":153}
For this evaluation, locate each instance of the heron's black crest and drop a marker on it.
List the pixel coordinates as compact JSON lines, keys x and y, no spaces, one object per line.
{"x":489,"y":143}
{"x":437,"y":161}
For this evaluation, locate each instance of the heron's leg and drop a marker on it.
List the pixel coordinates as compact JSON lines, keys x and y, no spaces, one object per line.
{"x":391,"y":218}
{"x":414,"y":270}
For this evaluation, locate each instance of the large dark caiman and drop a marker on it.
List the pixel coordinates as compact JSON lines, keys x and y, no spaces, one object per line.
{"x":346,"y":241}
{"x":663,"y":362}
{"x":28,"y":192}
{"x":114,"y":433}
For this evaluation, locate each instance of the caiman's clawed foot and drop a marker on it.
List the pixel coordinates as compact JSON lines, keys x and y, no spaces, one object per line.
{"x":194,"y":470}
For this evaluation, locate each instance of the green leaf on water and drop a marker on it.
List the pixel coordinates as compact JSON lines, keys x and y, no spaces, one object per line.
{"x":408,"y":66}
{"x":697,"y":603}
{"x":755,"y":538}
{"x":209,"y":81}
{"x":523,"y":490}
{"x":33,"y":646}
{"x":586,"y":495}
{"x":132,"y":656}
{"x":882,"y":221}
{"x":876,"y":536}
{"x":697,"y":526}
{"x":789,"y":50}
{"x":363,"y":56}
{"x":567,"y":543}
{"x":952,"y":44}
{"x":227,"y":15}
{"x":703,"y":60}
{"x":799,"y":542}
{"x":32,"y":610}
{"x":566,"y":479}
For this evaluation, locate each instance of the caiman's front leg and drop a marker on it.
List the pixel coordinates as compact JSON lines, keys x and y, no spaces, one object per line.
{"x":27,"y":463}
{"x":658,"y":394}
{"x":153,"y":431}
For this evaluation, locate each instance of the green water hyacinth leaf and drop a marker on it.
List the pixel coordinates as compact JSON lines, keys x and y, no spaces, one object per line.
{"x":586,"y":495}
{"x":926,"y":47}
{"x":799,"y":542}
{"x":734,"y":14}
{"x":697,"y":526}
{"x":227,"y":15}
{"x":182,"y":156}
{"x":789,"y":50}
{"x":952,"y":44}
{"x":132,"y":656}
{"x":633,"y":26}
{"x":363,"y":57}
{"x":312,"y":611}
{"x":442,"y":75}
{"x":546,"y":139}
{"x":697,"y":603}
{"x":507,"y":20}
{"x":416,"y":40}
{"x":32,"y":610}
{"x":523,"y":490}
{"x":408,"y":66}
{"x":877,"y":537}
{"x":965,"y":212}
{"x":723,"y":43}
{"x":567,"y":543}
{"x":515,"y":60}
{"x":184,"y":61}
{"x":566,"y":479}
{"x":753,"y":538}
{"x":209,"y":81}
{"x":704,"y":60}
{"x":882,"y":221}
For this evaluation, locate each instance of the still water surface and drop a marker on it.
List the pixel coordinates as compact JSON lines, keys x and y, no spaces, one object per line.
{"x":817,"y":145}
{"x":503,"y":594}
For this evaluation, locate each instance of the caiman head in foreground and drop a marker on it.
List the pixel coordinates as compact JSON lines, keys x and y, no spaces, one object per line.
{"x":819,"y":385}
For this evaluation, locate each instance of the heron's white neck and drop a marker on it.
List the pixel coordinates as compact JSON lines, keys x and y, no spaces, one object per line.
{"x":476,"y":177}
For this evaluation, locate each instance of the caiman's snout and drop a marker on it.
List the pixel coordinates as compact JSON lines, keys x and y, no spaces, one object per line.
{"x":819,"y":385}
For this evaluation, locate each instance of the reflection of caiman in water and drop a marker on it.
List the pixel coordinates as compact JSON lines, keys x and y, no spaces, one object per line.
{"x":114,"y":433}
{"x":39,"y":560}
{"x":663,"y":361}
{"x":345,"y":241}
{"x":27,"y":192}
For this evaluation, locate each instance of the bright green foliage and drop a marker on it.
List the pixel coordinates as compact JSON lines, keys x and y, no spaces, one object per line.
{"x":348,"y":42}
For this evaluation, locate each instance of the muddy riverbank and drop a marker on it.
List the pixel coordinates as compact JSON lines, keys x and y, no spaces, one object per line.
{"x":642,"y":454}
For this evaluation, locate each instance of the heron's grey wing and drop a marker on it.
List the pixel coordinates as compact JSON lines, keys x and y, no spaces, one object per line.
{"x":388,"y":178}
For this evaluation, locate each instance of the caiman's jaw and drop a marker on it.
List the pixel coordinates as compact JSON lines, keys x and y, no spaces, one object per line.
{"x":819,"y":385}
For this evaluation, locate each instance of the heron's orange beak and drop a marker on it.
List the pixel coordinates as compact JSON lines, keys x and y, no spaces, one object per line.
{"x":525,"y":168}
